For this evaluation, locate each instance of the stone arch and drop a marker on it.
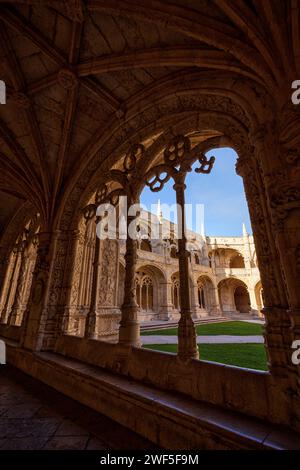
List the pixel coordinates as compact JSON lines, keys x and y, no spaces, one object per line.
{"x":206,"y":294}
{"x":197,"y":111}
{"x":224,"y":257}
{"x":175,"y":292}
{"x":21,"y":255}
{"x":150,"y":287}
{"x":234,"y":296}
{"x":78,"y":304}
{"x":237,"y":261}
{"x":215,"y":108}
{"x":259,"y":296}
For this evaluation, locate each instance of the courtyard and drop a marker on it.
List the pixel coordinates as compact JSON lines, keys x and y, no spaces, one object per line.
{"x":237,"y":343}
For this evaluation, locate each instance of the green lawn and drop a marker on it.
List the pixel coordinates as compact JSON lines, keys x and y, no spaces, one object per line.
{"x":252,"y":356}
{"x":237,"y":328}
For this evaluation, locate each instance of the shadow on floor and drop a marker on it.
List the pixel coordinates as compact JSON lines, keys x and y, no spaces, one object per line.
{"x":34,"y":416}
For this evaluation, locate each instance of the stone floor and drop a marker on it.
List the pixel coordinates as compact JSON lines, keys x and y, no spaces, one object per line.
{"x":34,"y":416}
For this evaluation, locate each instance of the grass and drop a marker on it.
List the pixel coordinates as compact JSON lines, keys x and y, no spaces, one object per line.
{"x":236,"y":328}
{"x":252,"y":356}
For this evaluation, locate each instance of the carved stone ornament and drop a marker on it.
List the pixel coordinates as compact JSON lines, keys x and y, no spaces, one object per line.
{"x":38,"y":292}
{"x":67,"y":79}
{"x":75,"y":10}
{"x":21,"y":100}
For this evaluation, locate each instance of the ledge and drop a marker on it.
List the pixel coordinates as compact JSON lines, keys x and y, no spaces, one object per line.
{"x":170,"y":420}
{"x":227,"y":386}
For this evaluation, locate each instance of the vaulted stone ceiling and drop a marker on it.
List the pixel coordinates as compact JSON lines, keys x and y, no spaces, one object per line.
{"x":75,"y":71}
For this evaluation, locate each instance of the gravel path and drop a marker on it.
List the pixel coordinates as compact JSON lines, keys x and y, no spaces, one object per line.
{"x":218,"y":339}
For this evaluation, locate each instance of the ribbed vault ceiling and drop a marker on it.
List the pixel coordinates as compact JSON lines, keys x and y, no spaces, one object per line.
{"x":73,"y":67}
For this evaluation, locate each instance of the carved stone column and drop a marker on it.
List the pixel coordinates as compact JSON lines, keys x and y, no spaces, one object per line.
{"x":35,"y":314}
{"x":166,"y":308}
{"x":9,"y":292}
{"x":129,"y":333}
{"x":277,"y":321}
{"x":90,"y":325}
{"x":108,"y":313}
{"x":195,"y":307}
{"x":28,"y":283}
{"x":6,"y":266}
{"x":18,"y":300}
{"x":5,"y":286}
{"x":252,"y":296}
{"x":187,"y":341}
{"x":72,"y":282}
{"x":216,"y":308}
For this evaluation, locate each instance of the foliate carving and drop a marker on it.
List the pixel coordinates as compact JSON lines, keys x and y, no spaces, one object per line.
{"x":132,"y":156}
{"x":75,"y":10}
{"x":157,"y":178}
{"x":283,"y":200}
{"x":56,"y":285}
{"x":101,"y":194}
{"x":77,"y":253}
{"x":178,"y":157}
{"x":248,"y":167}
{"x":293,"y":157}
{"x":89,"y":212}
{"x":190,"y":102}
{"x":216,"y":103}
{"x":67,"y":79}
{"x":177,"y":149}
{"x":21,"y":100}
{"x":109,"y":250}
{"x":205,"y":164}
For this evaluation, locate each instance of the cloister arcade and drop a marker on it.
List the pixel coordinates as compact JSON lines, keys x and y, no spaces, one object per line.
{"x":89,"y":120}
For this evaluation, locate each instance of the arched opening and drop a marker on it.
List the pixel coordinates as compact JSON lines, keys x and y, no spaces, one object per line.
{"x":201,"y":298}
{"x":93,"y":296}
{"x":144,"y":291}
{"x":150,"y":288}
{"x":234,"y":296}
{"x":19,"y":273}
{"x":242,"y":299}
{"x":237,"y":262}
{"x":206,"y":295}
{"x":80,"y":295}
{"x":259,"y":296}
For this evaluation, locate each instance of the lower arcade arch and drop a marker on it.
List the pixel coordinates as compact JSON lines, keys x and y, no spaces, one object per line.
{"x":234,"y":296}
{"x":206,"y":295}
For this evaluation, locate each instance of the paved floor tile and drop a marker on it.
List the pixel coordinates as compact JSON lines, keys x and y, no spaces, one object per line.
{"x":33,"y":416}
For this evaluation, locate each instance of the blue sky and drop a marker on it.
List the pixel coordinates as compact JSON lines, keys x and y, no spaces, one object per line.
{"x":221,"y":192}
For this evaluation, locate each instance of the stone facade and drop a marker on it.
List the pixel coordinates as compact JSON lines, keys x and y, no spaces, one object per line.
{"x":224,"y":276}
